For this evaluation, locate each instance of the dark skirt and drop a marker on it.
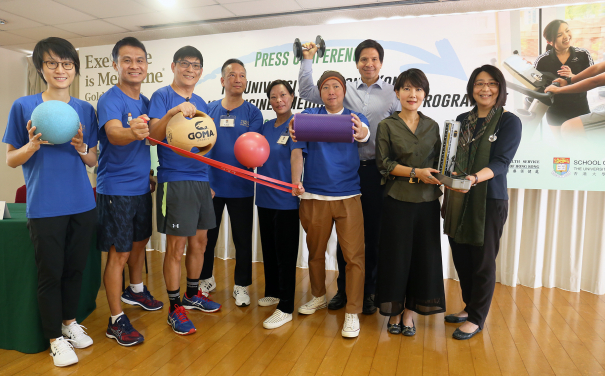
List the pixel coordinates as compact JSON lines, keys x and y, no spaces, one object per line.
{"x":410,"y":271}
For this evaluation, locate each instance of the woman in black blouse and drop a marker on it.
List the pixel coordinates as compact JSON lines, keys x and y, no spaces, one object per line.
{"x":565,"y":61}
{"x":410,"y":274}
{"x":489,"y":138}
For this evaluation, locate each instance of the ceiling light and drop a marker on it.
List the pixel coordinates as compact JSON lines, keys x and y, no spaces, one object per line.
{"x":168,"y":3}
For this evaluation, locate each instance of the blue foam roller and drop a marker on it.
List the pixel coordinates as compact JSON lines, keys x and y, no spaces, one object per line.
{"x":57,"y":121}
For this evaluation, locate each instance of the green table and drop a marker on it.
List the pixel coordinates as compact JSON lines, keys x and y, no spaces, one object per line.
{"x":20,"y":325}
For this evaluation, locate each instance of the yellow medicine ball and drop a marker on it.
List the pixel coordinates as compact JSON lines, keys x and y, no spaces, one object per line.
{"x":198,"y":132}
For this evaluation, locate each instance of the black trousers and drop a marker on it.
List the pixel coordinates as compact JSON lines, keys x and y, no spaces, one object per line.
{"x":371,"y":205}
{"x":410,"y":271}
{"x":279,"y":235}
{"x":61,"y":245}
{"x":240,"y":214}
{"x":476,"y":266}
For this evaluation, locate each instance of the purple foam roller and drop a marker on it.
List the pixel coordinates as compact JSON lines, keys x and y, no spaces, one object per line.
{"x":323,"y":128}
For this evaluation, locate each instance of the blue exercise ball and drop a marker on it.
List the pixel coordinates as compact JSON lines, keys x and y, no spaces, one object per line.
{"x":57,"y":121}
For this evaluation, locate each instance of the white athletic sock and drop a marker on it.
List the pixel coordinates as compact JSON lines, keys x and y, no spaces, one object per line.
{"x":138,"y":288}
{"x":114,"y":318}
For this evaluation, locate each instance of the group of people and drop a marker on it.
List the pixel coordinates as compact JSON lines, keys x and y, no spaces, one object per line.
{"x":379,"y":192}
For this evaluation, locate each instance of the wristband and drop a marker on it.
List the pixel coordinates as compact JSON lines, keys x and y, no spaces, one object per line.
{"x":476,"y":179}
{"x":85,"y":152}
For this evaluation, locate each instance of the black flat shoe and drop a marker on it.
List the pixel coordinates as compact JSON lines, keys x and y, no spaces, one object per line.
{"x":409,"y":331}
{"x":394,"y":328}
{"x":453,"y":319}
{"x":338,"y":301}
{"x":459,"y":334}
{"x":368,"y":305}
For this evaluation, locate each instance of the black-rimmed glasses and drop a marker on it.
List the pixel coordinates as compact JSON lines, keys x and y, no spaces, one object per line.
{"x":52,"y":65}
{"x":185,"y":64}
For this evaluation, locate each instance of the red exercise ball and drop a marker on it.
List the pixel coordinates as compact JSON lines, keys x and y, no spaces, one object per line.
{"x":251,"y":149}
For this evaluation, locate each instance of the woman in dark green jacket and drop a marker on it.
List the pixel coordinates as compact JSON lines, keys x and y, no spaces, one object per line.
{"x":410,"y":274}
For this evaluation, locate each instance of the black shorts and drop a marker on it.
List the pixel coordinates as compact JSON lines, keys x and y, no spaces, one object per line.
{"x":123,"y":220}
{"x":183,"y":207}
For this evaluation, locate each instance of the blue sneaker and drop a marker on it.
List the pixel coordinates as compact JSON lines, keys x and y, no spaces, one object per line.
{"x":123,"y":332}
{"x":180,"y":322}
{"x":143,"y":299}
{"x":201,"y":302}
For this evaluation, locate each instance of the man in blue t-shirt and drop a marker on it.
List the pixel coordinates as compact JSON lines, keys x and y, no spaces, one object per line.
{"x":184,"y":198}
{"x":233,"y":117}
{"x":332,"y":195}
{"x":376,"y":99}
{"x":123,"y":189}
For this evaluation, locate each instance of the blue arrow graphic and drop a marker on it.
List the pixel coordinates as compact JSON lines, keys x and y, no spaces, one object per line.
{"x":446,"y":63}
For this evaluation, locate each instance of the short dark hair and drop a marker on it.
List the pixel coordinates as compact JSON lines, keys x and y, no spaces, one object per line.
{"x":274,"y":83}
{"x":369,"y":43}
{"x":128,"y":41}
{"x":188,"y":51}
{"x":496,"y":75}
{"x":550,"y":32}
{"x":415,"y":77}
{"x":231,"y":61}
{"x":59,"y":47}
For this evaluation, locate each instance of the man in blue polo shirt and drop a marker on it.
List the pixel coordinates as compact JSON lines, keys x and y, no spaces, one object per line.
{"x":123,"y":189}
{"x":184,"y":198}
{"x":376,"y":99}
{"x":233,"y":117}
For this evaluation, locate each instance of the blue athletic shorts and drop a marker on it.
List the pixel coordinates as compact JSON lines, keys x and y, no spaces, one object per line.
{"x":123,"y":220}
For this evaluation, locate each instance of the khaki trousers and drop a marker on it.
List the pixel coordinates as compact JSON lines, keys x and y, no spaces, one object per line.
{"x":317,"y":218}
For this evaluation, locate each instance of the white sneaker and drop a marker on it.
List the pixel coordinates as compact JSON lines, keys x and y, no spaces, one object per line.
{"x":240,"y":293}
{"x":313,"y":305}
{"x":207,"y":285}
{"x":277,"y":319}
{"x":75,"y":333}
{"x":63,"y":352}
{"x":350,"y":329}
{"x":267,"y":301}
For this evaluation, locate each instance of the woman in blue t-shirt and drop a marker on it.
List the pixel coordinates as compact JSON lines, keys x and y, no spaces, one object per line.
{"x":278,"y":211}
{"x":61,"y":209}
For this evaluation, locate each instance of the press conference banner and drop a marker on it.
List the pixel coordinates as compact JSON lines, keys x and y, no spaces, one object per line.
{"x":446,"y":48}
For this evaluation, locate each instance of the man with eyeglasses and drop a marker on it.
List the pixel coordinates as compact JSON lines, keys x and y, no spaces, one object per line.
{"x":184,"y":198}
{"x":123,"y":189}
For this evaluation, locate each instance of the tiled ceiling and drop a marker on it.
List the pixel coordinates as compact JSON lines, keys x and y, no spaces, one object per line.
{"x":97,"y":22}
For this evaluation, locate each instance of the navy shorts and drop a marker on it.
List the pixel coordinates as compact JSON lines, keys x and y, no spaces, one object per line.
{"x":123,"y":220}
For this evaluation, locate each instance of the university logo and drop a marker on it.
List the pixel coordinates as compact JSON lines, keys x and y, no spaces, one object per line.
{"x":561,"y":168}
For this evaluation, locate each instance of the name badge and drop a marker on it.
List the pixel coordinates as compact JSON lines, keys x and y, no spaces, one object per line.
{"x":227,"y":121}
{"x":283,"y":140}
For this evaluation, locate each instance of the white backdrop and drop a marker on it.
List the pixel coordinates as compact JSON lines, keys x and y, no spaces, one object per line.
{"x":552,"y":238}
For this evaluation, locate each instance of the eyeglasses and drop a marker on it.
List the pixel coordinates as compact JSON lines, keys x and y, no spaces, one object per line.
{"x":491,"y":85}
{"x":185,"y":64}
{"x":52,"y":65}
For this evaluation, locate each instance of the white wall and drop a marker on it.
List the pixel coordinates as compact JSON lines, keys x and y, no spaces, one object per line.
{"x":13,"y":84}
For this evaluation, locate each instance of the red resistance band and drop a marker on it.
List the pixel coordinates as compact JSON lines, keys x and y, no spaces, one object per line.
{"x":261,"y":179}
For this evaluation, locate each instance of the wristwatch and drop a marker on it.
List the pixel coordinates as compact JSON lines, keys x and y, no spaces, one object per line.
{"x":86,"y":152}
{"x":413,"y":172}
{"x":568,"y":79}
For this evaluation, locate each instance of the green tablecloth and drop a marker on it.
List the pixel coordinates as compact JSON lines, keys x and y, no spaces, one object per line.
{"x":20,"y":325}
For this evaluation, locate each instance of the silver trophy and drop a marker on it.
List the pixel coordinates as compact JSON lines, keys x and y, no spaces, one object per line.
{"x":447,"y":159}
